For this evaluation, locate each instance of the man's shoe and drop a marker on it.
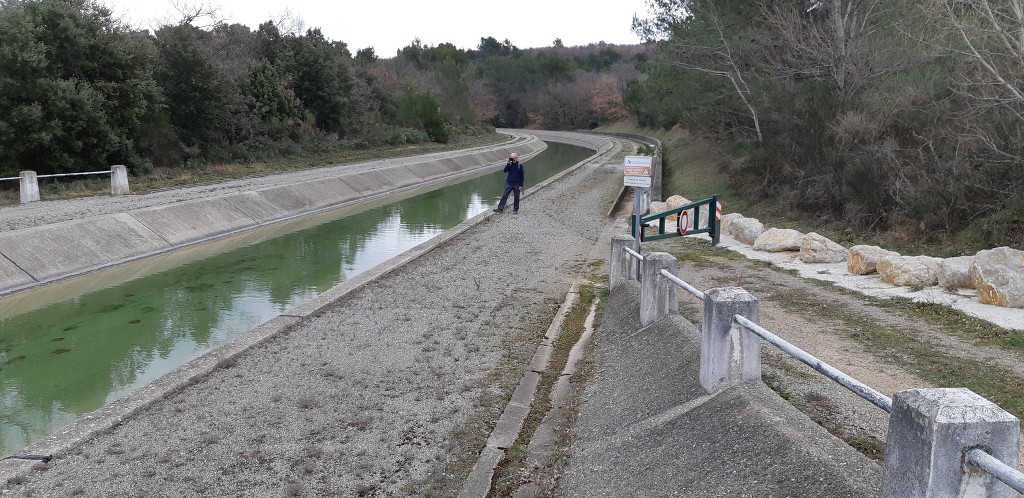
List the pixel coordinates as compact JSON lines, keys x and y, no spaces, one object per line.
{"x":496,"y":210}
{"x":515,"y":212}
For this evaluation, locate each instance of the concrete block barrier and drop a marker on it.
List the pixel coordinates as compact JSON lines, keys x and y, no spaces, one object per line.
{"x":188,"y":222}
{"x":62,"y":249}
{"x":287,"y":199}
{"x":367,"y":183}
{"x":11,"y":276}
{"x":257,"y":207}
{"x":327,"y":192}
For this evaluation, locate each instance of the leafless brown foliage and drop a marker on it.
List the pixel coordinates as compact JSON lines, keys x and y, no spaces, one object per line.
{"x":848,"y":43}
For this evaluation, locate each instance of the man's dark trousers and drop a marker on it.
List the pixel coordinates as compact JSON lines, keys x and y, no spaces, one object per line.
{"x":504,"y":197}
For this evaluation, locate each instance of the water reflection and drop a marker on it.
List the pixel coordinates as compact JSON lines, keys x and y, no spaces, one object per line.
{"x":73,"y":356}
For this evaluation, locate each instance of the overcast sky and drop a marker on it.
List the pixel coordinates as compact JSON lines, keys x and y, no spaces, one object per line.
{"x":388,"y":25}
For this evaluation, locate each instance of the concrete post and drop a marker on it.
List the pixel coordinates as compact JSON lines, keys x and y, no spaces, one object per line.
{"x":29,"y":187}
{"x":619,"y":265}
{"x":728,"y":353}
{"x":118,"y":180}
{"x":645,"y":199}
{"x":657,"y":294}
{"x":930,"y":431}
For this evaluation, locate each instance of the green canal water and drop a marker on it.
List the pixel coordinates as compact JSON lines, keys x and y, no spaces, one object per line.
{"x":65,"y":352}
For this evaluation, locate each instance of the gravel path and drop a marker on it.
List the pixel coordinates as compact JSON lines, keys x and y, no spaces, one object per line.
{"x":378,"y":393}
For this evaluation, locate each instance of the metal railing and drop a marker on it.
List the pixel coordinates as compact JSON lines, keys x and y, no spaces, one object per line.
{"x":683,"y":285}
{"x":55,"y":175}
{"x":857,"y":387}
{"x":30,"y":181}
{"x":1006,"y":474}
{"x":992,"y":427}
{"x":634,"y":254}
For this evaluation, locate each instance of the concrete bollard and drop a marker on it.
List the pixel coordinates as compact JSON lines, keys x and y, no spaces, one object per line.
{"x":29,"y":187}
{"x":728,"y":353}
{"x":930,"y":432}
{"x":118,"y":180}
{"x":619,"y":265}
{"x":658,"y":295}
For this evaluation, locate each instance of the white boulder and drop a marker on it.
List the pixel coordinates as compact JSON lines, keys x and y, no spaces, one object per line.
{"x":778,"y":240}
{"x":998,"y":274}
{"x":816,"y":248}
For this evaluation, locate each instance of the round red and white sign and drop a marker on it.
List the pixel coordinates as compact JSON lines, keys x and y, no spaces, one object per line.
{"x":684,"y":222}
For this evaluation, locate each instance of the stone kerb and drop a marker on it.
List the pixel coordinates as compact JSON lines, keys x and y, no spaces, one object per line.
{"x":728,"y":353}
{"x":658,"y":296}
{"x":930,"y":432}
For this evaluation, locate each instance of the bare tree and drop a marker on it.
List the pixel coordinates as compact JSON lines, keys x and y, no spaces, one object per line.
{"x":289,"y":23}
{"x":201,"y":14}
{"x":848,"y":43}
{"x":988,"y":35}
{"x":674,"y":26}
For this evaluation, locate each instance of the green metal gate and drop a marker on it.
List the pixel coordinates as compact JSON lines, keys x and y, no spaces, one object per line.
{"x":712,"y":206}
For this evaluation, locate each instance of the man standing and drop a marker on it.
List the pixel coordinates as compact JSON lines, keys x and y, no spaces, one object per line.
{"x":514,"y":176}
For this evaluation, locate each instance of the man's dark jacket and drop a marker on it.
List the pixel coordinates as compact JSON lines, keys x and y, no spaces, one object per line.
{"x":515,"y":174}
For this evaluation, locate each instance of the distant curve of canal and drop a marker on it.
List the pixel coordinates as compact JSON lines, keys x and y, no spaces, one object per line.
{"x":78,"y":351}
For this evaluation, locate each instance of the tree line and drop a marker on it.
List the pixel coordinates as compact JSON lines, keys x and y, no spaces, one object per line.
{"x":80,"y":90}
{"x":894,"y":115}
{"x":901,"y":116}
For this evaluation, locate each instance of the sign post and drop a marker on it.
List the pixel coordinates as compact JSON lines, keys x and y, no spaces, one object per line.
{"x":637,"y":174}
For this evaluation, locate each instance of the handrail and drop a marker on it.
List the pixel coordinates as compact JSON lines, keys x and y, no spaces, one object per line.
{"x":55,"y":175}
{"x":1006,"y":474}
{"x":857,"y":387}
{"x":633,"y":253}
{"x":685,"y":286}
{"x":75,"y":174}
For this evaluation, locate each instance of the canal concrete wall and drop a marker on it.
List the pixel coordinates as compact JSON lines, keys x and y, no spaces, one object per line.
{"x":46,"y":253}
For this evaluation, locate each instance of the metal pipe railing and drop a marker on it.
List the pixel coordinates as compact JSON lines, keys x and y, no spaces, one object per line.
{"x":857,"y":387}
{"x":685,"y":286}
{"x":75,"y":174}
{"x":1006,"y":474}
{"x":638,"y":256}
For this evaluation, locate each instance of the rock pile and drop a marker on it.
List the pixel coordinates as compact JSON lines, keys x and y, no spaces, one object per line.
{"x":997,"y":274}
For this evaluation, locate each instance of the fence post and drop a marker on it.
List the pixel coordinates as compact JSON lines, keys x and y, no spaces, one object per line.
{"x":930,"y":432}
{"x":728,"y":352}
{"x":619,"y":267}
{"x":657,"y":295}
{"x":29,"y":187}
{"x":118,"y":180}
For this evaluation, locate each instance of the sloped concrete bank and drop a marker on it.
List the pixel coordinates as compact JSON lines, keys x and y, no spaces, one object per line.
{"x":648,"y":427}
{"x":50,"y":252}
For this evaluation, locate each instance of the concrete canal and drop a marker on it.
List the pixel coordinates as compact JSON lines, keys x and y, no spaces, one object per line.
{"x":65,"y":351}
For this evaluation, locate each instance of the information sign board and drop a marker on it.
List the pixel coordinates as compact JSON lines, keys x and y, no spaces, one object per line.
{"x":637,"y":166}
{"x":637,"y":181}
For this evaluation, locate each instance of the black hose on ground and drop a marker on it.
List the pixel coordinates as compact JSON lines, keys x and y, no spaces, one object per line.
{"x":41,"y":458}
